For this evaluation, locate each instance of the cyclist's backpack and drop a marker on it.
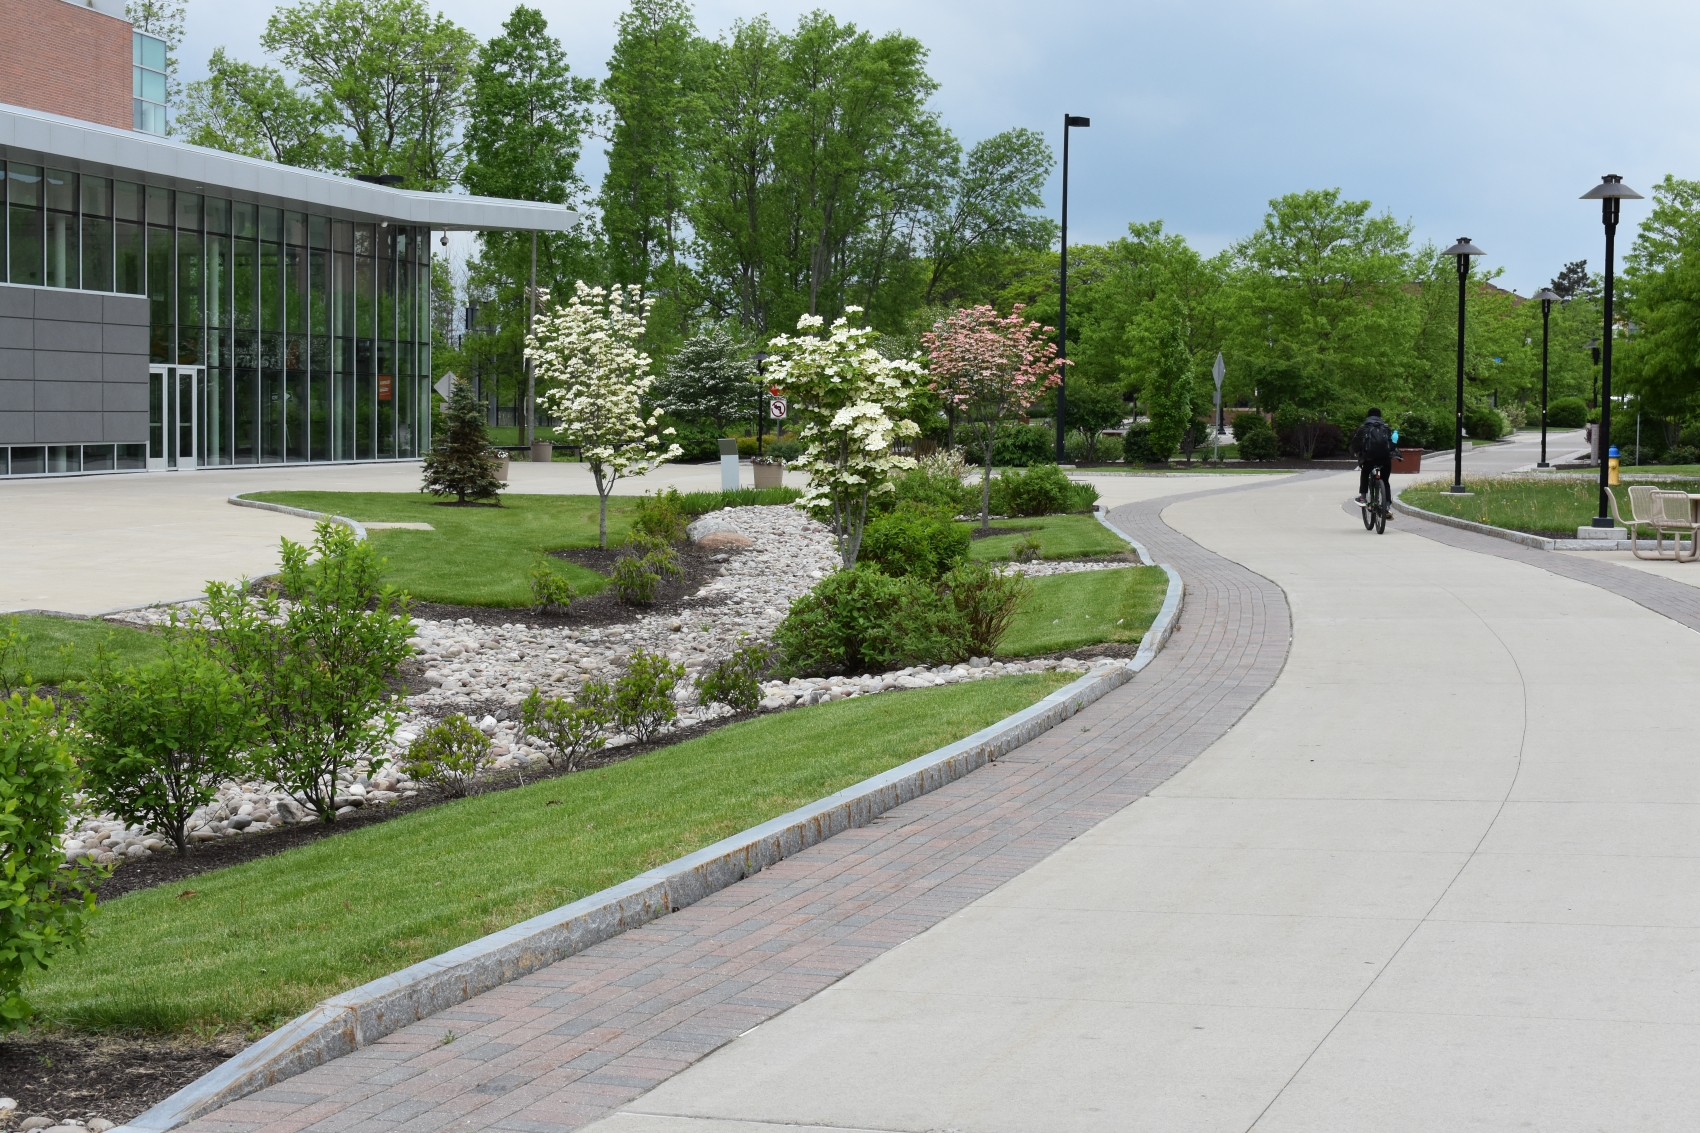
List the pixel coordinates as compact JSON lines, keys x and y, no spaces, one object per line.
{"x":1378,"y":440}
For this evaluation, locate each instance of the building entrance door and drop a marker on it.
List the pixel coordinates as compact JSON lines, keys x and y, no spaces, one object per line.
{"x":173,"y":417}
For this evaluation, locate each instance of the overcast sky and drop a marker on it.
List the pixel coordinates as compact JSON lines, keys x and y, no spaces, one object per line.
{"x":1481,"y":118}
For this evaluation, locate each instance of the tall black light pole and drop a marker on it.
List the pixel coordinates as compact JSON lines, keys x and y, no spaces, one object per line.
{"x":1548,"y":297}
{"x":761,"y":395}
{"x":1062,"y":298}
{"x":1609,"y":192}
{"x":1462,"y":250}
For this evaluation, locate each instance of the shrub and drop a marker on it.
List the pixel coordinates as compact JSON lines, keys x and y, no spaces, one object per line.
{"x":915,"y":540}
{"x":1096,"y":450}
{"x":642,"y":698}
{"x":859,"y":620}
{"x":1018,"y":446}
{"x":662,"y":516}
{"x":1516,"y":416}
{"x":1299,"y":431}
{"x":1483,"y":423}
{"x":1248,"y":422}
{"x":736,"y":681}
{"x":1042,"y":490}
{"x":1028,"y":548}
{"x":935,"y":482}
{"x":549,"y":590}
{"x":44,"y":905}
{"x":1572,"y":413}
{"x":985,"y":601}
{"x":1682,"y":454}
{"x":641,"y":567}
{"x":1110,"y":449}
{"x":157,"y":739}
{"x":571,"y":728}
{"x":696,"y":441}
{"x":784,"y":451}
{"x":459,"y":463}
{"x":1136,"y":444}
{"x":12,"y":674}
{"x":449,"y":755}
{"x":316,"y":672}
{"x":1260,"y":444}
{"x":1082,"y":497}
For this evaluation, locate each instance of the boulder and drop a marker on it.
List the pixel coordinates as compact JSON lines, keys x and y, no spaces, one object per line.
{"x":726,"y":541}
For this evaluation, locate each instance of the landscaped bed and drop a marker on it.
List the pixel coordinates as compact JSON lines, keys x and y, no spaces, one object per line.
{"x":1548,"y":505}
{"x":1059,"y":537}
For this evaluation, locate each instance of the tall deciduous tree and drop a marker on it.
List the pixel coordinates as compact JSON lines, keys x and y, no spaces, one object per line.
{"x":989,"y":368}
{"x":988,"y":210}
{"x":595,"y":374}
{"x":1660,"y":289}
{"x":394,"y":74}
{"x":1170,"y":389}
{"x":253,"y":110}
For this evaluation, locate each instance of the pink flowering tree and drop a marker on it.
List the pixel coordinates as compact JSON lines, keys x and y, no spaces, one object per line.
{"x":989,"y":367}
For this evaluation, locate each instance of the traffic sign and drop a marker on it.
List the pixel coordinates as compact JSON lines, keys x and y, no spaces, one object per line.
{"x":445,"y":384}
{"x":776,"y":408}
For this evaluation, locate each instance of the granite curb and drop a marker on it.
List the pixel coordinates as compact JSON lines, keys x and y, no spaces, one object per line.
{"x":361,"y":1016}
{"x":239,"y":501}
{"x":1163,"y":626}
{"x":1535,"y":542}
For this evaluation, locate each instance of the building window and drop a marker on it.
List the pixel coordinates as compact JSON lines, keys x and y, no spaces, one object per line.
{"x":147,"y":55}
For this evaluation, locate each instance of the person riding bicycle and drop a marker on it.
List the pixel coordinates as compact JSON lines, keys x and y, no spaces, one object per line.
{"x":1372,"y":444}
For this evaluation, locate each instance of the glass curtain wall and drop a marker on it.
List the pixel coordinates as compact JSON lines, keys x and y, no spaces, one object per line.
{"x":315,"y":333}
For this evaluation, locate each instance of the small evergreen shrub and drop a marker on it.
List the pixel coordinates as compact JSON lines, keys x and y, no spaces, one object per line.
{"x":985,"y":603}
{"x":1042,"y":490}
{"x":550,"y":591}
{"x":736,"y":681}
{"x":45,"y":905}
{"x":642,"y":698}
{"x":860,"y":620}
{"x":661,"y":516}
{"x":449,"y":755}
{"x":459,"y":463}
{"x":1570,"y":413}
{"x":915,"y":540}
{"x":573,"y":728}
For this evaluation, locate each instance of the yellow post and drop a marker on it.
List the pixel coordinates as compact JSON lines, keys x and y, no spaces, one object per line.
{"x":1611,"y":473}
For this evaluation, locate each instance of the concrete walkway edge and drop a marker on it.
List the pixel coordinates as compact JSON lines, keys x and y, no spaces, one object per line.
{"x":359,"y":531}
{"x":1164,"y":624}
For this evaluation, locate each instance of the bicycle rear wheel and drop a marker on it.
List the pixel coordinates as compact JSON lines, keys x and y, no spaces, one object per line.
{"x":1368,"y":510}
{"x":1378,"y":505}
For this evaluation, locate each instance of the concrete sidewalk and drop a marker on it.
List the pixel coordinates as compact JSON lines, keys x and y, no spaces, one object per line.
{"x":1441,"y":877}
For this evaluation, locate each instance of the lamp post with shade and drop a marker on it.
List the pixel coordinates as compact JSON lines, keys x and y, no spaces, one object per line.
{"x":1462,"y":251}
{"x":1610,"y":192}
{"x":1548,"y":297}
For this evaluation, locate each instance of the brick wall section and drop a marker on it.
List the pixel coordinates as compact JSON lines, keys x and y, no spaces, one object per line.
{"x":66,"y":59}
{"x":564,"y":1046}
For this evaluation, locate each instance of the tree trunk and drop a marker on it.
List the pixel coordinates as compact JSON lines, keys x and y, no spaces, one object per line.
{"x":986,"y":491}
{"x":602,"y":506}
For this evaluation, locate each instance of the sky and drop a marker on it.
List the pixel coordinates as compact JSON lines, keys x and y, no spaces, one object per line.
{"x":1485,"y":119}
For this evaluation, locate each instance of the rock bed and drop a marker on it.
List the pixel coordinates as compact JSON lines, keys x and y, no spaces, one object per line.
{"x":485,"y":671}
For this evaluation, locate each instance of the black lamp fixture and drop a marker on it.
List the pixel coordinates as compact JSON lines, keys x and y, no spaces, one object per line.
{"x":1548,"y":297}
{"x":1610,"y":192}
{"x":1462,"y":251}
{"x":761,"y":396}
{"x":1069,"y":120}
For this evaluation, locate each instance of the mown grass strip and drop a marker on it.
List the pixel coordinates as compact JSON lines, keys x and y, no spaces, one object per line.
{"x":58,"y":650}
{"x":1068,"y":611}
{"x":255,"y":944}
{"x":1059,"y":536}
{"x":1554,"y":508}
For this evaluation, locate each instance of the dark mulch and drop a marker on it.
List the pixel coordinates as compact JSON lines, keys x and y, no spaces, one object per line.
{"x":62,"y":1075}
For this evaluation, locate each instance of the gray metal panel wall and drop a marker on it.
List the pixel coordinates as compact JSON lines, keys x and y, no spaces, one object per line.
{"x":73,"y":367}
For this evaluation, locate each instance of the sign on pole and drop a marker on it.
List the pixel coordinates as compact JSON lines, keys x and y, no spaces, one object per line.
{"x":446,"y":384}
{"x":1218,"y":371}
{"x":776,"y":408}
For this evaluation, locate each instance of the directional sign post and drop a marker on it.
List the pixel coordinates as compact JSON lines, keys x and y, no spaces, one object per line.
{"x":1218,"y":371}
{"x":446,"y":384}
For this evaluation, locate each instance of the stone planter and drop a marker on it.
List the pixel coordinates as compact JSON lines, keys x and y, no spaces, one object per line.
{"x":499,"y":464}
{"x":769,"y":475}
{"x":1407,"y":460}
{"x":542,"y":452}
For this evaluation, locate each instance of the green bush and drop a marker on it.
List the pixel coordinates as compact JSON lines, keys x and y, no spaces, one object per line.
{"x":935,"y":483}
{"x":661,"y":516}
{"x":736,"y":681}
{"x":12,"y":641}
{"x":1681,"y":454}
{"x":316,"y":671}
{"x":1042,"y":490}
{"x":460,"y":463}
{"x":1017,"y":446}
{"x":156,"y":740}
{"x":1094,"y":450}
{"x":640,"y":567}
{"x":1027,"y":549}
{"x":915,"y":540}
{"x":785,"y":451}
{"x":1136,"y":445}
{"x":550,"y":590}
{"x":642,"y":698}
{"x":1082,"y":497}
{"x":859,"y":620}
{"x":45,"y":906}
{"x":571,"y":728}
{"x":700,"y":442}
{"x":1246,"y":423}
{"x":449,"y":755}
{"x":1484,"y":423}
{"x":1260,"y":444}
{"x":985,"y":603}
{"x":1569,"y":413}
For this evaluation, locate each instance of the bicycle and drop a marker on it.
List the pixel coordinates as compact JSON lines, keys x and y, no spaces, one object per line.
{"x":1378,"y":504}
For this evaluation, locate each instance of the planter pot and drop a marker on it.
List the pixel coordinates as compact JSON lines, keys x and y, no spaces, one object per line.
{"x":499,"y":462}
{"x":542,"y":452}
{"x":1408,"y":460}
{"x":769,"y":475}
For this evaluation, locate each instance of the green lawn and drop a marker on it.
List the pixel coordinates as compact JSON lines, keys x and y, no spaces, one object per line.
{"x":1554,"y":508}
{"x":57,"y":650}
{"x":1071,"y":610}
{"x":255,"y":944}
{"x":475,"y":556}
{"x":1060,"y":537}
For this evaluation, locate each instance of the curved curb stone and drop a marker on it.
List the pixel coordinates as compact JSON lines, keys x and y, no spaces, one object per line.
{"x":1536,"y":542}
{"x":359,"y":531}
{"x":1163,"y":625}
{"x":364,"y":1014}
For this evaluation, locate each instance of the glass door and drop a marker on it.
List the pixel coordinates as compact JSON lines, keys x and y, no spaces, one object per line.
{"x":173,"y":416}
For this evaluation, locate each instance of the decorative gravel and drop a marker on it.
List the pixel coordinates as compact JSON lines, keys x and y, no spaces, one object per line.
{"x":485,"y":671}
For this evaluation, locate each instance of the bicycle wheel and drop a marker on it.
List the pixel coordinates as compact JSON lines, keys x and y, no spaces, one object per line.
{"x":1368,"y":510}
{"x":1378,"y":498}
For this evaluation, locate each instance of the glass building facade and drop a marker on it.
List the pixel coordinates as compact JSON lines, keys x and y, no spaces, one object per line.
{"x":297,"y":337}
{"x":147,"y":77}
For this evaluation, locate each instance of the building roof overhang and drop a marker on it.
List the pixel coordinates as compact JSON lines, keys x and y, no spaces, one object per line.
{"x":88,"y":147}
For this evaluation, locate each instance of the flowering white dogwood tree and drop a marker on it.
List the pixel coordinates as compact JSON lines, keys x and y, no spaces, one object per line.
{"x":990,"y":367}
{"x":845,"y":394}
{"x":594,"y":375}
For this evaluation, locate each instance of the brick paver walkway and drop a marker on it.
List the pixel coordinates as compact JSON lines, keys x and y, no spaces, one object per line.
{"x":570,"y":1043}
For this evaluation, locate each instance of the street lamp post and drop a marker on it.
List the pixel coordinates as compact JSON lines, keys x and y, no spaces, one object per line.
{"x":761,"y":396}
{"x":1462,"y":250}
{"x":1062,"y":296}
{"x":1610,"y":192}
{"x":1548,"y":297}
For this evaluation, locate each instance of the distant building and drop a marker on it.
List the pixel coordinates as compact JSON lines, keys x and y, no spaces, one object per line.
{"x":164,"y":306}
